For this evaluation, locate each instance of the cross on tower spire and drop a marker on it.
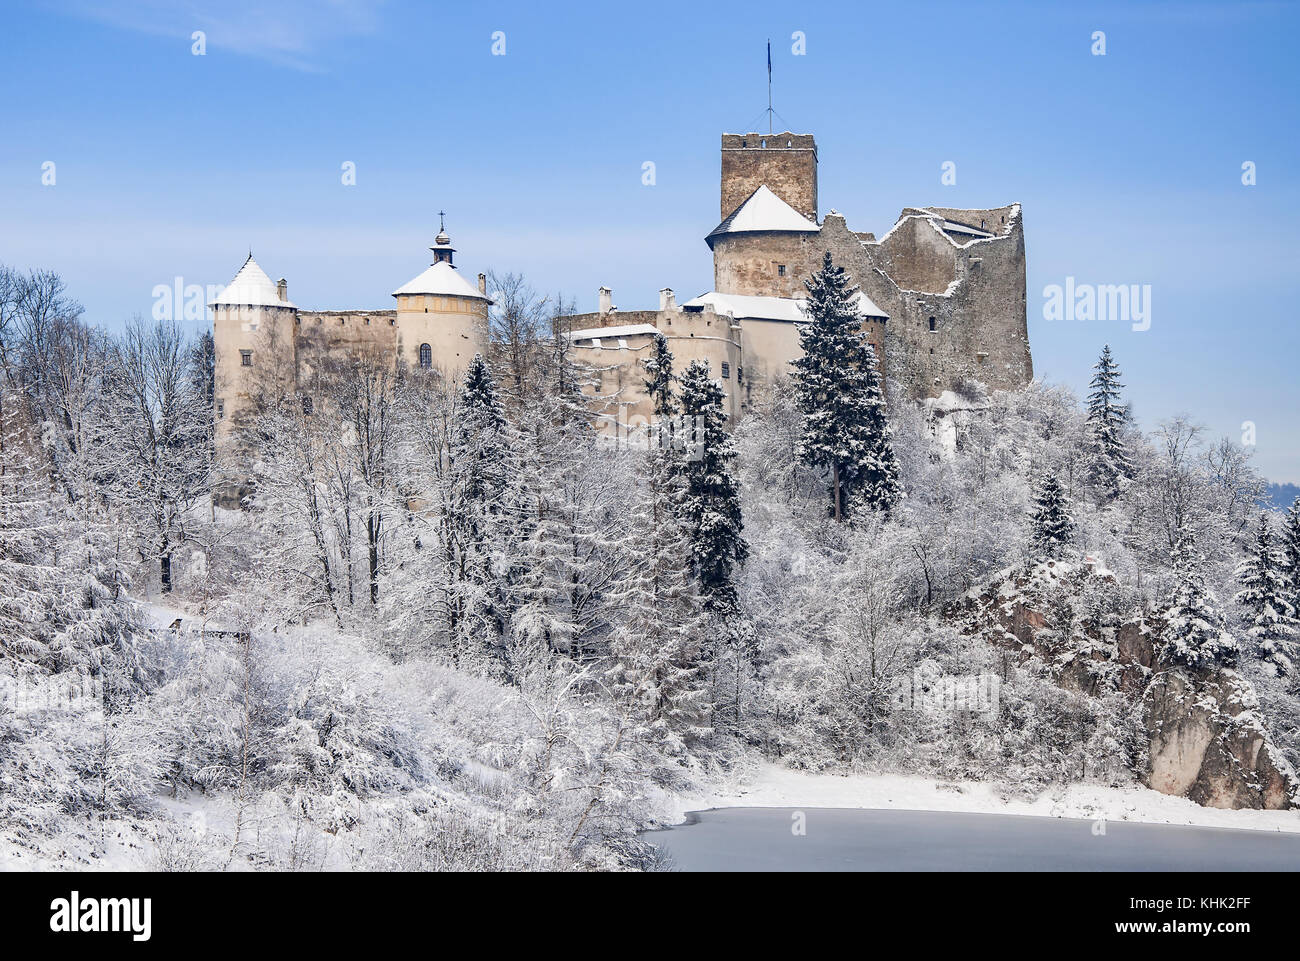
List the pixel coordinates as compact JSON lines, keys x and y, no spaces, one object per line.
{"x":442,"y":224}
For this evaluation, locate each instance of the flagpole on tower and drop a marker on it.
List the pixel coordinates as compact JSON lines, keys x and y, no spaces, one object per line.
{"x":769,"y":86}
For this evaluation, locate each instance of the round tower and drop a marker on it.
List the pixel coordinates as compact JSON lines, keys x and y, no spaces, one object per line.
{"x":253,"y":342}
{"x":442,"y":319}
{"x":763,"y":248}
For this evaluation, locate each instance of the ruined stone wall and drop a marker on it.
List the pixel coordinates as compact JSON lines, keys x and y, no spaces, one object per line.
{"x":975,"y":294}
{"x":785,"y":162}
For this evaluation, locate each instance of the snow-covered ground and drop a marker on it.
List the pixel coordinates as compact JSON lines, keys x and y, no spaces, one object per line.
{"x":770,"y":785}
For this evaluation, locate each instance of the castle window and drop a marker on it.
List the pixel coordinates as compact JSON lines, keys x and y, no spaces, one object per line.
{"x":763,"y":143}
{"x":221,"y":410}
{"x":426,"y":356}
{"x":780,"y":270}
{"x":726,"y":371}
{"x":245,"y":358}
{"x":934,"y":325}
{"x":307,"y":404}
{"x":740,"y":372}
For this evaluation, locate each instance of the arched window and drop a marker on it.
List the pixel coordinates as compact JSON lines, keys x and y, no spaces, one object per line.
{"x":426,"y":356}
{"x":933,"y":324}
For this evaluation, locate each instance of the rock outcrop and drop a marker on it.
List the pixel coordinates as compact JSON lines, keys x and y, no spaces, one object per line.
{"x":1208,"y":742}
{"x":1206,"y":739}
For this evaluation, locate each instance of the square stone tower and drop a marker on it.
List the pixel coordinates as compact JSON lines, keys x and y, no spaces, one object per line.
{"x":785,"y":162}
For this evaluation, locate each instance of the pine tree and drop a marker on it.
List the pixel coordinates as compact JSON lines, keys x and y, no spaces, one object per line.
{"x":1052,"y":527}
{"x":709,"y":502}
{"x":1264,"y":595}
{"x":838,"y":392}
{"x":1109,"y":420}
{"x":1193,"y":634}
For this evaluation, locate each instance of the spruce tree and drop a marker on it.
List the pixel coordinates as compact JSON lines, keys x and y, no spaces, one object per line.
{"x":1291,"y":553}
{"x":1052,"y":527}
{"x":1193,"y":633}
{"x":709,"y":501}
{"x":476,"y":520}
{"x":1264,"y":595}
{"x":839,"y":394}
{"x":1108,"y":419}
{"x":659,"y":385}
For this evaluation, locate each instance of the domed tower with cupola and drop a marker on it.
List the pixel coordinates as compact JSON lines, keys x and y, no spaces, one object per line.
{"x":442,"y":319}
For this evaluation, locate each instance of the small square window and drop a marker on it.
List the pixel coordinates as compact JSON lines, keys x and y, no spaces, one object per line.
{"x":780,"y":270}
{"x":245,"y":358}
{"x":726,"y":371}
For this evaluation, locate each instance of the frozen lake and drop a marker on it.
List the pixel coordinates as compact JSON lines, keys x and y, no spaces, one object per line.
{"x":840,"y":839}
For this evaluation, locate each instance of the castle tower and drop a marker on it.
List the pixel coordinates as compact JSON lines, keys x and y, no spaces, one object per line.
{"x":763,"y":247}
{"x":442,"y":319}
{"x":786,"y":163}
{"x":253,"y":341}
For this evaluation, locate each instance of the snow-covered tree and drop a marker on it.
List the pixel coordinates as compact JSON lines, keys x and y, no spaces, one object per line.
{"x":1108,"y":420}
{"x":160,"y":441}
{"x":478,"y":513}
{"x":839,"y":394}
{"x":1193,"y":633}
{"x":1264,"y":594}
{"x":659,"y":381}
{"x":1051,"y":527}
{"x":1290,"y":546}
{"x":364,"y":389}
{"x":709,"y":501}
{"x":658,"y":645}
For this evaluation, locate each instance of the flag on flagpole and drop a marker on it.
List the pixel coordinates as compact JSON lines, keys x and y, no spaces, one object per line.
{"x":769,"y":60}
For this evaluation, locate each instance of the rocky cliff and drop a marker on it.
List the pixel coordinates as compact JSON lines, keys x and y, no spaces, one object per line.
{"x":1206,"y":739}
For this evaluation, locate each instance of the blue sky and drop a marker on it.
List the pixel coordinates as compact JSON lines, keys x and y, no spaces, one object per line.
{"x":1128,"y":165}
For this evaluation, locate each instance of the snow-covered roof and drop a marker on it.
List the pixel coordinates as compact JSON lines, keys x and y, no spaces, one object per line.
{"x":953,"y":227}
{"x":789,"y":309}
{"x":763,"y":210}
{"x":251,"y":287}
{"x":627,"y":330}
{"x":443,"y":280}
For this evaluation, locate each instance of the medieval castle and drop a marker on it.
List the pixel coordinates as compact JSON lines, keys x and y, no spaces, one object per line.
{"x":942,"y":300}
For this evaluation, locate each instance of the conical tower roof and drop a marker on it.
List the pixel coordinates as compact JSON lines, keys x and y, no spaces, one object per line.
{"x":251,"y":288}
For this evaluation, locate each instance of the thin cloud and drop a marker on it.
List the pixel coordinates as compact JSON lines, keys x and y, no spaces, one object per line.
{"x":292,"y":34}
